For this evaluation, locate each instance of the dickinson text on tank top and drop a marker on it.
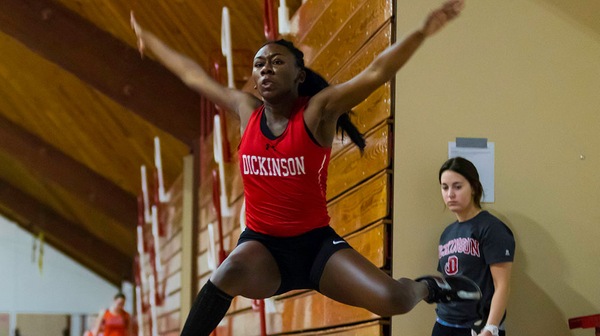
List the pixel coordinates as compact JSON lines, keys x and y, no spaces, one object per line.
{"x":267,"y":166}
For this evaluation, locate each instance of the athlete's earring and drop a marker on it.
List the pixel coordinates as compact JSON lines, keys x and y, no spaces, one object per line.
{"x":254,"y":87}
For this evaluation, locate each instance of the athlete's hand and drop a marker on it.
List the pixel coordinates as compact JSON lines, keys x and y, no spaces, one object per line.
{"x":439,"y":17}
{"x":138,"y":33}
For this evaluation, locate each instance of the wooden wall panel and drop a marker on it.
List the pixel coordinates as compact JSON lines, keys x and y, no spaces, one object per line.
{"x":227,"y":328}
{"x":231,"y":226}
{"x":245,"y":322}
{"x":373,"y":46}
{"x":173,"y":264}
{"x":233,"y":185}
{"x":168,"y":312}
{"x":240,"y":303}
{"x":171,"y":333}
{"x":312,"y":310}
{"x":207,"y":165}
{"x":370,"y":328}
{"x":372,"y":243}
{"x":169,"y":286}
{"x":202,"y":266}
{"x":307,"y":16}
{"x":168,"y":321}
{"x":364,"y":204}
{"x":372,"y":111}
{"x":309,"y":310}
{"x":235,"y":189}
{"x":377,"y":107}
{"x":172,"y":246}
{"x":320,"y":32}
{"x":170,"y":304}
{"x":349,"y":167}
{"x":369,"y":17}
{"x":172,"y":209}
{"x":173,"y":273}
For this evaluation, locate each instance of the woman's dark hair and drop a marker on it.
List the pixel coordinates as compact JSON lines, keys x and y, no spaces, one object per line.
{"x":467,"y":169}
{"x":313,"y":84}
{"x":119,"y":295}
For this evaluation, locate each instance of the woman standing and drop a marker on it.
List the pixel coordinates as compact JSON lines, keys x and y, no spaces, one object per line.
{"x":284,"y":154}
{"x":114,"y":321}
{"x":477,"y":245}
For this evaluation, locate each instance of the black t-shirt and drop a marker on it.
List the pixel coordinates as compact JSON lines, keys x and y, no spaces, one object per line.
{"x":468,"y":249}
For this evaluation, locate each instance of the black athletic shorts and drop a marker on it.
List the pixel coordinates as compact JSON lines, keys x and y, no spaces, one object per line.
{"x":442,"y":330}
{"x":301,"y":259}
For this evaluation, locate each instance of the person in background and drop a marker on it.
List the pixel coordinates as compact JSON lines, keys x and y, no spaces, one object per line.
{"x":478,"y":246}
{"x":114,"y":321}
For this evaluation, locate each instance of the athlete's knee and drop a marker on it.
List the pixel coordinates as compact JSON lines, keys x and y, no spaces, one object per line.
{"x":396,"y":300}
{"x":407,"y":296}
{"x":233,"y":268}
{"x":230,"y":275}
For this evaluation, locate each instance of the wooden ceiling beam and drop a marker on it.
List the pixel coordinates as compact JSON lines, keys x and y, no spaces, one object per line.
{"x":106,"y":63}
{"x":68,"y":237}
{"x":50,"y":164}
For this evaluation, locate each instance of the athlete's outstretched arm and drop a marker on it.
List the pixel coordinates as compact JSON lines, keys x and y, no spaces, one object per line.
{"x":340,"y":98}
{"x":192,"y":74}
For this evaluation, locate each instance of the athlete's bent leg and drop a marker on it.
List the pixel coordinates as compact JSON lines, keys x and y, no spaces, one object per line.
{"x":350,"y":278}
{"x":250,"y":270}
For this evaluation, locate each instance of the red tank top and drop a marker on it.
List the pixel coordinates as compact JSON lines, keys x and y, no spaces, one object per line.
{"x":285,"y":179}
{"x":116,"y":324}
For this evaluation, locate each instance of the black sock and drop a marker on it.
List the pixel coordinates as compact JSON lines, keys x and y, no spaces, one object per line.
{"x":209,"y":308}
